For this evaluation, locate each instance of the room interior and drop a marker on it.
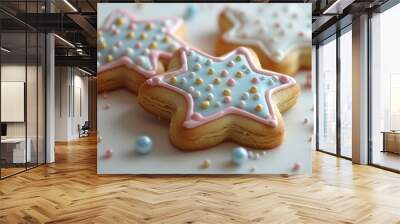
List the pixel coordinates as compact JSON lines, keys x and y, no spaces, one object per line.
{"x":51,"y":78}
{"x":22,"y":102}
{"x":24,"y":68}
{"x":334,"y":104}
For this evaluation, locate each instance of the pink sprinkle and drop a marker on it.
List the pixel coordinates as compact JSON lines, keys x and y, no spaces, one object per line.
{"x":138,"y":45}
{"x":277,"y":25}
{"x":254,"y":80}
{"x":227,"y":99}
{"x":118,"y":44}
{"x":231,"y":64}
{"x":153,"y":81}
{"x":107,"y":106}
{"x":231,"y":82}
{"x":109,"y":153}
{"x":196,"y":116}
{"x":224,"y":73}
{"x":283,"y":79}
{"x":132,"y":26}
{"x":296,"y":166}
{"x":115,"y":31}
{"x":300,"y":34}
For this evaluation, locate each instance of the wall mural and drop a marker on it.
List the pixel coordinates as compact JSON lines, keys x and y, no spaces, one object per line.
{"x":204,"y":89}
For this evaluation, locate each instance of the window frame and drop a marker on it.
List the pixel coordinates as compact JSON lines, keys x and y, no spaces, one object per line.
{"x":334,"y":37}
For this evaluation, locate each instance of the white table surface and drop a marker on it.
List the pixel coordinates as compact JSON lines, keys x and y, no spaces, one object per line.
{"x":120,"y":125}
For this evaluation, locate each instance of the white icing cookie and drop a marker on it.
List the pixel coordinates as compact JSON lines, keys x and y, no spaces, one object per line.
{"x":276,"y":28}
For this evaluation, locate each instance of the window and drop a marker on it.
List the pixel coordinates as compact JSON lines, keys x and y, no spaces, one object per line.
{"x":22,"y":75}
{"x":346,"y":94}
{"x":385,"y":89}
{"x":327,"y":97}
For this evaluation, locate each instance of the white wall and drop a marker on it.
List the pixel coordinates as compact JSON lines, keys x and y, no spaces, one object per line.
{"x":11,"y":73}
{"x":70,"y":83}
{"x":17,"y":73}
{"x":61,"y":104}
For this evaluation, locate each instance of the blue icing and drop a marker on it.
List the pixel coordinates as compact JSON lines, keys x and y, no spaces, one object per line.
{"x":139,"y":56}
{"x":201,"y":92}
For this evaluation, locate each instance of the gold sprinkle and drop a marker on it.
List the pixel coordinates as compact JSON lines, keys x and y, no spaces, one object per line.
{"x":131,"y":35}
{"x":198,"y":81}
{"x":99,"y":33}
{"x":253,"y":89}
{"x":227,"y":92}
{"x":102,"y":45}
{"x":119,"y":22}
{"x":238,"y":58}
{"x":239,"y":74}
{"x":173,"y":80}
{"x":205,"y":104}
{"x":143,"y":36}
{"x":153,"y":45}
{"x":210,"y":71}
{"x":217,"y":81}
{"x":165,"y":39}
{"x":149,"y":26}
{"x":258,"y":108}
{"x":109,"y":58}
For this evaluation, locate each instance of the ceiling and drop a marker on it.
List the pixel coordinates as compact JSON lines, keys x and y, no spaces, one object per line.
{"x":75,"y":21}
{"x":332,"y":15}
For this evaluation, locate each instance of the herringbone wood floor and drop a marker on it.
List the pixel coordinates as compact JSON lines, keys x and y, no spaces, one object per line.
{"x":70,"y":191}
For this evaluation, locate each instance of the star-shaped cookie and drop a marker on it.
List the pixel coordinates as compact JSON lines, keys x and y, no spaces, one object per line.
{"x":212,"y":99}
{"x":279,"y":33}
{"x":128,"y":47}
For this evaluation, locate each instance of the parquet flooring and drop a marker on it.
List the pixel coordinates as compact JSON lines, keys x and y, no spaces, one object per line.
{"x":70,"y":191}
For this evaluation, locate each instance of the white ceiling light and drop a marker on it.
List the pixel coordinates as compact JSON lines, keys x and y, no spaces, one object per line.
{"x":86,"y":72}
{"x":5,"y":50}
{"x":337,"y":7}
{"x":70,"y":5}
{"x":65,"y":41}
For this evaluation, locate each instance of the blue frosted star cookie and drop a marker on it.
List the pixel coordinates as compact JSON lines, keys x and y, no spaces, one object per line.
{"x":129,"y":50}
{"x":209,"y":100}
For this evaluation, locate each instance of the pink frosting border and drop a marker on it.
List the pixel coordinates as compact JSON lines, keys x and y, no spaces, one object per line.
{"x":194,"y":119}
{"x":154,"y":54}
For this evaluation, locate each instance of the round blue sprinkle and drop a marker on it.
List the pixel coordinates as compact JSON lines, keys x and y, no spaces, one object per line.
{"x":190,"y":12}
{"x":143,"y":145}
{"x":239,"y":155}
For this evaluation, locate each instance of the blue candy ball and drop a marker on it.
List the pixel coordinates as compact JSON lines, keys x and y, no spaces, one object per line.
{"x":190,"y":11}
{"x":143,"y":145}
{"x":239,"y":155}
